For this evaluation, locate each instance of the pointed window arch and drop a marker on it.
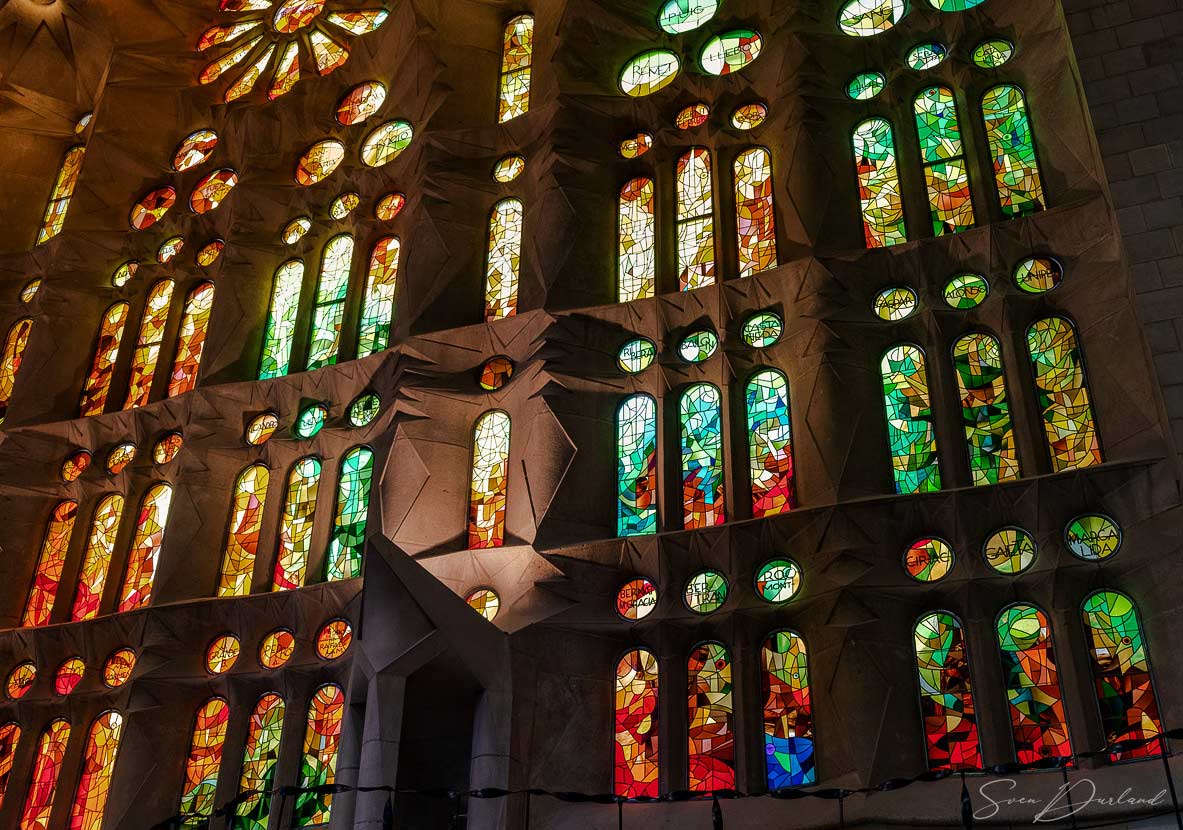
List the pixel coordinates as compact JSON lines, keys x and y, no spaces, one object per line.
{"x":755,"y":213}
{"x":259,"y":758}
{"x":1063,"y":394}
{"x":505,"y":259}
{"x":47,"y":768}
{"x":191,"y":339}
{"x":636,"y":466}
{"x":48,"y":575}
{"x":106,"y":353}
{"x":910,"y":431}
{"x":10,"y":360}
{"x":788,"y":712}
{"x":985,"y":412}
{"x":96,"y":560}
{"x":145,"y":548}
{"x":329,"y":310}
{"x":98,"y":766}
{"x":147,"y":353}
{"x":296,"y":524}
{"x":637,"y":240}
{"x":63,"y":191}
{"x":242,"y":537}
{"x":347,"y":543}
{"x":488,"y":494}
{"x":10,"y":738}
{"x":204,"y":761}
{"x":946,"y":695}
{"x":322,"y":740}
{"x":695,"y":220}
{"x":1037,"y":717}
{"x":880,"y":197}
{"x":770,"y":444}
{"x":702,"y":456}
{"x":635,"y":759}
{"x":280,"y":333}
{"x":1012,"y":150}
{"x":377,"y":311}
{"x":517,"y":56}
{"x":709,"y":715}
{"x":943,"y":157}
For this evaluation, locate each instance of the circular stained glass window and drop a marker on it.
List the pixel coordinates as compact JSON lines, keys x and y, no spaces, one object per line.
{"x":312,"y":418}
{"x":926,"y":55}
{"x":509,"y":168}
{"x":195,"y":149}
{"x":649,"y":72}
{"x":169,"y":249}
{"x":692,"y":116}
{"x":390,"y":206}
{"x":120,"y":456}
{"x":364,"y":409}
{"x":166,"y":448}
{"x":636,"y":356}
{"x":496,"y":373}
{"x":210,"y":252}
{"x":636,"y":599}
{"x":706,"y":592}
{"x":992,"y":54}
{"x":20,"y":680}
{"x":778,"y":581}
{"x":636,"y":146}
{"x":212,"y":190}
{"x":749,"y":116}
{"x":866,"y":18}
{"x":698,"y":346}
{"x":276,"y":648}
{"x":762,"y":330}
{"x":928,"y":560}
{"x":1093,"y":537}
{"x":386,"y":143}
{"x":294,"y":230}
{"x":334,"y":639}
{"x":730,"y":52}
{"x":966,"y":291}
{"x":865,"y":86}
{"x":261,"y":428}
{"x":68,"y":675}
{"x":124,"y":273}
{"x":895,"y":304}
{"x":319,"y":161}
{"x":344,"y":205}
{"x":1010,"y":550}
{"x":360,"y":103}
{"x":30,"y":290}
{"x":152,"y":207}
{"x":485,"y":602}
{"x":222,"y":654}
{"x":75,"y":465}
{"x":679,"y":16}
{"x":1038,"y":275}
{"x":118,"y":667}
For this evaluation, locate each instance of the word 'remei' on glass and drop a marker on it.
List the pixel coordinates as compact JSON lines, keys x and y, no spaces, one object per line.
{"x":709,"y":715}
{"x":911,"y":435}
{"x":1038,"y":722}
{"x":946,"y":696}
{"x":636,"y":466}
{"x":490,"y":481}
{"x":636,"y":718}
{"x":700,"y":413}
{"x":878,"y":184}
{"x":1063,"y":395}
{"x":788,"y":712}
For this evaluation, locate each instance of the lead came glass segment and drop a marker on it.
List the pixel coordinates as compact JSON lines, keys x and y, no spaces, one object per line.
{"x":47,"y":767}
{"x":878,"y":184}
{"x":329,"y":309}
{"x":96,"y":560}
{"x":636,"y":466}
{"x":191,"y":339}
{"x":106,"y":352}
{"x":946,"y":695}
{"x":696,"y":220}
{"x":636,"y":717}
{"x":10,"y":360}
{"x":59,"y":197}
{"x":649,"y":72}
{"x":490,"y":481}
{"x":755,"y":220}
{"x":10,"y":737}
{"x":504,"y":261}
{"x":637,"y":238}
{"x":866,"y":18}
{"x":943,"y":158}
{"x":910,"y":432}
{"x":147,"y":353}
{"x":281,"y":320}
{"x":98,"y":767}
{"x":1063,"y":395}
{"x":348,"y":541}
{"x":295,"y":526}
{"x":145,"y":548}
{"x":259,"y":758}
{"x":318,"y":766}
{"x":48,"y":574}
{"x":1012,"y":149}
{"x":204,"y":762}
{"x":242,"y":538}
{"x":517,"y":56}
{"x":1038,"y":722}
{"x":985,"y":413}
{"x":865,"y":86}
{"x":377,"y":311}
{"x":702,"y":457}
{"x":709,"y":715}
{"x":770,"y":444}
{"x":788,"y":712}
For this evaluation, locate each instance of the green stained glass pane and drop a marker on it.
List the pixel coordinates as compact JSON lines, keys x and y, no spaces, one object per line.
{"x":1093,"y":537}
{"x":928,"y":560}
{"x":879,"y":185}
{"x":992,"y":54}
{"x":865,"y":85}
{"x":926,"y":55}
{"x":778,"y":581}
{"x":944,"y":166}
{"x":636,"y":355}
{"x":636,"y":466}
{"x":259,"y":758}
{"x":329,"y":309}
{"x":1012,"y":149}
{"x":318,"y":765}
{"x":347,"y":544}
{"x":864,"y":18}
{"x":893,"y":304}
{"x":281,"y":320}
{"x":1038,"y":274}
{"x":706,"y":592}
{"x":311,"y":419}
{"x":1010,"y":550}
{"x":985,"y":413}
{"x":955,"y":5}
{"x":730,"y":52}
{"x":365,"y":409}
{"x":698,"y":346}
{"x":966,"y":291}
{"x":911,"y":436}
{"x":679,"y":16}
{"x":762,"y":330}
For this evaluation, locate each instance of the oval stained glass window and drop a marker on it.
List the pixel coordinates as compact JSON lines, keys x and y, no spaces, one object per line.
{"x":319,"y":161}
{"x":68,"y":675}
{"x":955,"y":5}
{"x":222,"y":654}
{"x":334,"y":639}
{"x":636,"y":355}
{"x":865,"y":18}
{"x":20,"y":680}
{"x":1010,"y":550}
{"x":385,"y":143}
{"x":762,"y":330}
{"x":928,"y":560}
{"x":649,"y":72}
{"x":495,"y":373}
{"x":169,"y":249}
{"x":118,"y":668}
{"x":485,"y":602}
{"x":679,"y":16}
{"x":991,"y":54}
{"x":1093,"y":537}
{"x":749,"y":116}
{"x":698,"y":346}
{"x":75,"y":465}
{"x":151,"y":208}
{"x":343,"y":205}
{"x":730,"y":52}
{"x":966,"y":291}
{"x":277,"y":648}
{"x":1038,"y":274}
{"x":124,"y":273}
{"x":705,"y":592}
{"x":210,"y":252}
{"x":636,"y":146}
{"x":390,"y":206}
{"x":166,"y":448}
{"x":778,"y":581}
{"x":926,"y":55}
{"x":692,"y":116}
{"x":195,"y":149}
{"x":865,"y":86}
{"x":364,"y":409}
{"x":120,"y":456}
{"x":212,"y":189}
{"x":30,"y":290}
{"x":261,"y":428}
{"x":509,"y":168}
{"x":360,"y":103}
{"x":294,"y":230}
{"x":310,"y":421}
{"x":894,"y":304}
{"x":636,"y":599}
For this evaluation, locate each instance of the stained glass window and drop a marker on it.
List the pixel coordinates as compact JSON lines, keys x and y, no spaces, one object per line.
{"x":318,"y":766}
{"x":636,"y":599}
{"x":191,"y":339}
{"x":485,"y":602}
{"x":1032,"y":685}
{"x":329,"y":309}
{"x":20,"y":680}
{"x":386,"y":143}
{"x":508,"y":168}
{"x":75,"y":465}
{"x":152,"y":207}
{"x":213,"y":188}
{"x":281,"y":320}
{"x":145,"y":548}
{"x":649,"y":72}
{"x":68,"y":675}
{"x":261,"y":428}
{"x":702,"y":456}
{"x":295,"y":528}
{"x":360,"y":103}
{"x":709,"y":712}
{"x":517,"y":55}
{"x":637,"y":240}
{"x":636,"y":466}
{"x":866,"y":18}
{"x":106,"y":352}
{"x":204,"y":761}
{"x":167,"y":447}
{"x":910,"y":432}
{"x":210,"y":252}
{"x":680,"y":16}
{"x":943,"y":158}
{"x":98,"y":766}
{"x":755,"y":220}
{"x":985,"y":413}
{"x":258,"y":763}
{"x":195,"y":148}
{"x":319,"y":161}
{"x":147,"y":353}
{"x":47,"y":766}
{"x":10,"y":736}
{"x":731,"y":51}
{"x":1012,"y":149}
{"x":635,"y":759}
{"x":242,"y":538}
{"x":505,"y":259}
{"x":120,"y":456}
{"x":770,"y":444}
{"x":377,"y":308}
{"x":495,"y":373}
{"x":348,"y":540}
{"x":310,"y":421}
{"x":10,"y":360}
{"x":1063,"y":394}
{"x":692,"y":116}
{"x":749,"y":116}
{"x":48,"y":575}
{"x":59,"y":197}
{"x":696,"y":220}
{"x":118,"y":667}
{"x":96,"y":560}
{"x":364,"y":409}
{"x":490,"y":481}
{"x":334,"y":639}
{"x":788,"y":712}
{"x":879,"y":184}
{"x":277,"y":648}
{"x":946,"y":696}
{"x":1121,"y":671}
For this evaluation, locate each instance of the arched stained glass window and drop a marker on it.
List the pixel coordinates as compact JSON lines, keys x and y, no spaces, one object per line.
{"x":204,"y":761}
{"x":242,"y":539}
{"x":106,"y":352}
{"x":10,"y":361}
{"x":147,"y":353}
{"x":770,"y":444}
{"x":329,"y":309}
{"x":280,"y":333}
{"x":1032,"y":685}
{"x":295,"y":526}
{"x":637,"y":240}
{"x":98,"y":765}
{"x":879,"y":184}
{"x":636,"y":466}
{"x":946,"y":696}
{"x":505,"y":260}
{"x":985,"y":413}
{"x":709,"y":712}
{"x":145,"y":548}
{"x":788,"y":712}
{"x":47,"y":766}
{"x":1012,"y":150}
{"x":517,"y":55}
{"x":755,"y":215}
{"x":910,"y":431}
{"x":10,"y":737}
{"x":318,"y":767}
{"x":696,"y":220}
{"x":943,"y":158}
{"x":191,"y":339}
{"x":96,"y":560}
{"x":348,"y":541}
{"x":48,"y":575}
{"x":258,"y":763}
{"x":377,"y":309}
{"x":490,"y":481}
{"x":63,"y":191}
{"x":702,"y":456}
{"x":1121,"y":671}
{"x":1063,"y":394}
{"x":635,"y":760}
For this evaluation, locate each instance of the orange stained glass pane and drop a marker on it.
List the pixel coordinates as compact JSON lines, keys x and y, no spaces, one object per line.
{"x":10,"y":736}
{"x":29,"y":292}
{"x":120,"y":456}
{"x":145,"y":548}
{"x":48,"y":575}
{"x":68,"y":675}
{"x":377,"y":313}
{"x":106,"y":352}
{"x":47,"y":766}
{"x":96,"y":561}
{"x":213,"y":188}
{"x":485,"y":602}
{"x":490,"y":481}
{"x":118,"y":667}
{"x":755,"y":221}
{"x":360,"y":103}
{"x":277,"y":648}
{"x":242,"y":540}
{"x":695,"y":221}
{"x":328,"y":54}
{"x":287,"y":71}
{"x":10,"y":360}
{"x":319,"y":161}
{"x":517,"y":56}
{"x":75,"y":465}
{"x":217,"y":68}
{"x":197,"y":147}
{"x":334,"y":639}
{"x":390,"y":206}
{"x":147,"y":353}
{"x":98,"y":766}
{"x":152,"y":207}
{"x":318,"y":768}
{"x":59,"y":197}
{"x":191,"y":339}
{"x":293,"y":15}
{"x":495,"y":373}
{"x":247,"y":80}
{"x":216,"y":35}
{"x":261,"y":428}
{"x":169,"y":249}
{"x":360,"y":22}
{"x":204,"y":761}
{"x":210,"y":252}
{"x":295,"y":528}
{"x":166,"y":448}
{"x":503,"y":265}
{"x":222,"y":654}
{"x":20,"y":680}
